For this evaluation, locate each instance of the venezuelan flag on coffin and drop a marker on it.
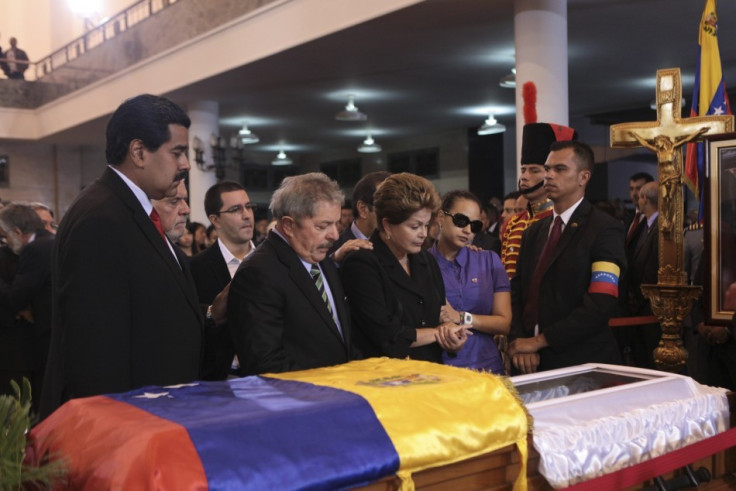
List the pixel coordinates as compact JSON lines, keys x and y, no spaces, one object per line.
{"x":329,"y":428}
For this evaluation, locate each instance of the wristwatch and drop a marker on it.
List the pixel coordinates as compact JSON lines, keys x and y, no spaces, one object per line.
{"x":467,"y":318}
{"x":208,"y":315}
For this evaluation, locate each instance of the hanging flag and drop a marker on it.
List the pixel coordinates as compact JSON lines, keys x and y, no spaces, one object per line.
{"x":709,"y":95}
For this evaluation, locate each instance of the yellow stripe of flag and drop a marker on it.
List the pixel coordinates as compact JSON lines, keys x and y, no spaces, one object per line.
{"x":434,"y":414}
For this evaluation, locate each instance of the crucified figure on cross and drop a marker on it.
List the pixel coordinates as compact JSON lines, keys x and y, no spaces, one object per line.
{"x":669,"y":158}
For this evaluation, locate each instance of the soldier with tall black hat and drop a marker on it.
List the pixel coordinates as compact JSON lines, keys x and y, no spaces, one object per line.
{"x":535,"y":142}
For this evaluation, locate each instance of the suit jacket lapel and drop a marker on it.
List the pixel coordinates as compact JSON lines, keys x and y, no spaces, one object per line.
{"x":396,"y":273}
{"x":338,"y":294}
{"x":303,"y":280}
{"x":148,"y":229}
{"x":218,"y":265}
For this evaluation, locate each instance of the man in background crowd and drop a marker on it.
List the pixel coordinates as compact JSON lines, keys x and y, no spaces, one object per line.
{"x":230,"y":211}
{"x":28,"y":294}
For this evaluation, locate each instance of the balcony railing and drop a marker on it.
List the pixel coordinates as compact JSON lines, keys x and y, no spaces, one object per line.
{"x":95,"y":37}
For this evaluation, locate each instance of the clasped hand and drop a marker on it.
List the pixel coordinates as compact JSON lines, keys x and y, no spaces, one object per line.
{"x":452,"y":337}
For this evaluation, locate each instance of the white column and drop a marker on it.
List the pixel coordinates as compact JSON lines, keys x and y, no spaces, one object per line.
{"x":205,"y":122}
{"x":540,"y":37}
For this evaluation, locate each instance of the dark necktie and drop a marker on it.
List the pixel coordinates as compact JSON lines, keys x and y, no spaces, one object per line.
{"x":531,"y":308}
{"x":634,"y":225}
{"x":156,"y":219}
{"x":319,"y":283}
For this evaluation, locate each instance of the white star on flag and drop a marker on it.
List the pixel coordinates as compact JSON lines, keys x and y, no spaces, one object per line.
{"x":179,"y":386}
{"x":718,"y":110}
{"x":152,"y":395}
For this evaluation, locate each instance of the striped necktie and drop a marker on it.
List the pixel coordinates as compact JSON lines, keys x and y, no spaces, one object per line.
{"x":319,"y":283}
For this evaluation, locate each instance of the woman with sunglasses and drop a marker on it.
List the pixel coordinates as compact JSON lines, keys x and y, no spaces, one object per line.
{"x":396,"y":290}
{"x":476,"y":283}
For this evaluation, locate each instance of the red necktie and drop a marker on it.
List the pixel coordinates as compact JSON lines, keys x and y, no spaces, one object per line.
{"x":531,"y":308}
{"x":634,"y":225}
{"x":156,"y":219}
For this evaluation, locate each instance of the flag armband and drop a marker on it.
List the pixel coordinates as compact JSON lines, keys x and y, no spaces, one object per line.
{"x":604,"y":278}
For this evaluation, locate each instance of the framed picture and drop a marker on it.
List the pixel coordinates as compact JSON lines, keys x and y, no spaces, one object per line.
{"x":720,"y":229}
{"x":4,"y":171}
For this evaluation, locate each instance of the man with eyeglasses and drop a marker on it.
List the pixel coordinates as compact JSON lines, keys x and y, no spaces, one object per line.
{"x":230,"y":211}
{"x":287,"y":309}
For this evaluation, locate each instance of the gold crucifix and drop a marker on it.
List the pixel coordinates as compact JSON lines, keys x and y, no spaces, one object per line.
{"x":671,"y":298}
{"x":665,"y":137}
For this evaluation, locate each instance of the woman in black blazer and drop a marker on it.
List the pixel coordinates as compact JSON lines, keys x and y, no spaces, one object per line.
{"x":396,"y":291}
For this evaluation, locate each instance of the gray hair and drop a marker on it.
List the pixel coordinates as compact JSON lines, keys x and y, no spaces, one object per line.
{"x":651,"y":191}
{"x":22,"y":216}
{"x":297,"y":196}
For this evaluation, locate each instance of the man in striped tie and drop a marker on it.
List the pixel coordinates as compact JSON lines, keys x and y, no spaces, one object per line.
{"x":286,"y":309}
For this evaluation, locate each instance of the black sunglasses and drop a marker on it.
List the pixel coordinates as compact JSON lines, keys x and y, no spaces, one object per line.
{"x":462,"y":221}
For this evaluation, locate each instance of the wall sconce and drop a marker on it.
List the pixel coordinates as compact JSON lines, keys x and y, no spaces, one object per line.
{"x":198,"y":148}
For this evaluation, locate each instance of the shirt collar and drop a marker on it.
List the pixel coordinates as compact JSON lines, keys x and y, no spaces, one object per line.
{"x":356,"y":232}
{"x":651,"y":219}
{"x":567,"y":214}
{"x":461,"y":259}
{"x":140,"y":195}
{"x":228,"y":256}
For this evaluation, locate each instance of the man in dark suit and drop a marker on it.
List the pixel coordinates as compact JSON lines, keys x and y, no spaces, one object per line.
{"x":287,"y":309}
{"x":487,"y":239}
{"x":356,"y":235}
{"x":125,"y":308}
{"x":566,"y":283}
{"x":231,"y":213}
{"x":643,"y":265}
{"x":27,"y":297}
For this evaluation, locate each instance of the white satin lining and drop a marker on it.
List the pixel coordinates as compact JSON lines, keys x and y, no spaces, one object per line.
{"x":577,"y":450}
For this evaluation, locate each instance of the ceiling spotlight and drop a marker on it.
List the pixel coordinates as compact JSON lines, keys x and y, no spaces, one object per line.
{"x":369,"y":146}
{"x":247,"y":136}
{"x":491,"y":126}
{"x":351,"y":112}
{"x":509,"y":81}
{"x":281,"y":159}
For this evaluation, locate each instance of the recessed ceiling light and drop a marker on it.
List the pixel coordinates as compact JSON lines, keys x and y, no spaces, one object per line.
{"x":509,"y":81}
{"x":369,"y":146}
{"x":351,"y":112}
{"x":247,"y":136}
{"x":491,"y":126}
{"x":282,"y":159}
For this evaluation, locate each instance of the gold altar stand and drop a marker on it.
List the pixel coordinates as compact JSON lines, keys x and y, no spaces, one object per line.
{"x":496,"y":471}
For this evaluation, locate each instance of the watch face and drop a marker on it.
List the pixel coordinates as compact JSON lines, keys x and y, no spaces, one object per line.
{"x":468,"y":318}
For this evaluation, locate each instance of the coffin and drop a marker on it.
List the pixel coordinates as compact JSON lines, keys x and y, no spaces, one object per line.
{"x":375,"y":424}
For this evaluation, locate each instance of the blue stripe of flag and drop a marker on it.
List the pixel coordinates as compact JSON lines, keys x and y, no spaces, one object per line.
{"x":261,"y":433}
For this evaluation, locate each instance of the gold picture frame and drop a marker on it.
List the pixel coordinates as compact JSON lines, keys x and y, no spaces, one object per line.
{"x":719,"y":278}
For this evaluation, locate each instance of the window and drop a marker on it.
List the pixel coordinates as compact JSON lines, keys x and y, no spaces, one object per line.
{"x":346,"y":172}
{"x":423,"y":162}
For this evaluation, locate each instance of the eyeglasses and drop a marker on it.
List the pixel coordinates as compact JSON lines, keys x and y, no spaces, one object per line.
{"x":239,"y":209}
{"x":462,"y":221}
